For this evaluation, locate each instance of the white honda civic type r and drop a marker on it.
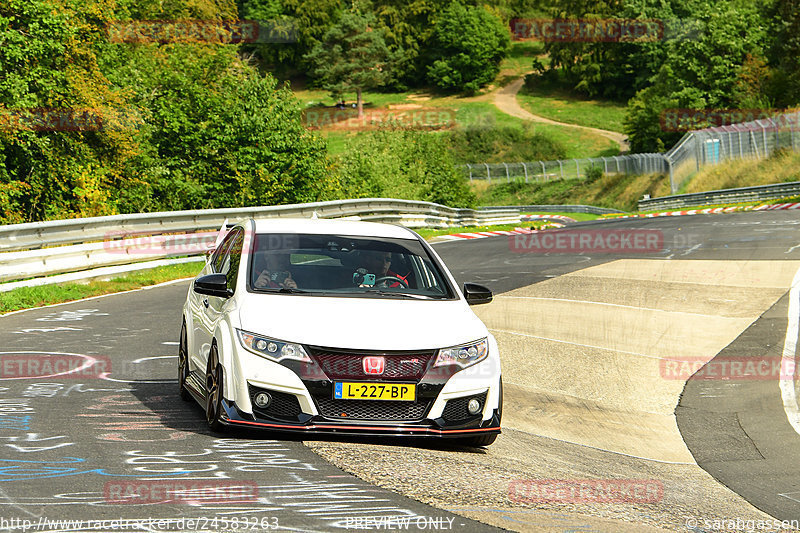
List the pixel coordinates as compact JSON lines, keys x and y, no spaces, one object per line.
{"x":344,"y":327}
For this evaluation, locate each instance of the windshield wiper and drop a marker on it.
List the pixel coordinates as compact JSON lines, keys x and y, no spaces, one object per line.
{"x":291,"y":290}
{"x":397,"y":294}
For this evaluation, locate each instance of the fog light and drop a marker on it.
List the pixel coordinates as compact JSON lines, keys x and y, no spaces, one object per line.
{"x":474,"y":407}
{"x":262,"y":399}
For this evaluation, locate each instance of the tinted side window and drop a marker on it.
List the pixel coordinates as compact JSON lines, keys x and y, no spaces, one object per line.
{"x":234,"y":259}
{"x":220,"y":255}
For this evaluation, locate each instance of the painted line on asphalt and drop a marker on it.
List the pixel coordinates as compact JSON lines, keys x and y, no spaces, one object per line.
{"x":170,"y":282}
{"x":789,"y":356}
{"x":607,"y":304}
{"x":508,"y":332}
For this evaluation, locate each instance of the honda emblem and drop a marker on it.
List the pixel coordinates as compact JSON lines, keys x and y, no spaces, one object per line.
{"x":373,"y":365}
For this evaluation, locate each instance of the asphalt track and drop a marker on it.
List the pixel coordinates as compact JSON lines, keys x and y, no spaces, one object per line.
{"x":69,"y":441}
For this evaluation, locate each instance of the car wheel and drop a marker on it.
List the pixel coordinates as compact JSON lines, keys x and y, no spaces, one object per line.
{"x":214,"y":390}
{"x":183,"y":365}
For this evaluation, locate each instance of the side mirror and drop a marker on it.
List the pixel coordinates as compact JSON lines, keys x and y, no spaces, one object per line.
{"x":213,"y":285}
{"x":477,"y":294}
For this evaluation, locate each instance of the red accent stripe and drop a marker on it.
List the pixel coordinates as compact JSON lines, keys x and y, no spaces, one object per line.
{"x":377,"y":428}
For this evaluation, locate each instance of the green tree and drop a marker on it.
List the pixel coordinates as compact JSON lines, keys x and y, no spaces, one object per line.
{"x":466,"y":48}
{"x":353,"y":56}
{"x":785,"y":54}
{"x":701,"y":71}
{"x":396,"y":163}
{"x":49,"y":70}
{"x":218,"y":133}
{"x":310,"y":20}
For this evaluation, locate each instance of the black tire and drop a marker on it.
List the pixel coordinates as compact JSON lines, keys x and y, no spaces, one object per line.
{"x":481,"y":440}
{"x":183,"y":365}
{"x":214,"y":390}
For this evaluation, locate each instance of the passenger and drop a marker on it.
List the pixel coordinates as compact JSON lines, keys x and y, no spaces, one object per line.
{"x":273,"y":271}
{"x":379,"y":263}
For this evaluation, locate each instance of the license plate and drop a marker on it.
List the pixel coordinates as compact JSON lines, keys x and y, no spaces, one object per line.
{"x":375,"y":391}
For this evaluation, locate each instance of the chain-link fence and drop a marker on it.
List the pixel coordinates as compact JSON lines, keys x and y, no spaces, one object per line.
{"x":747,"y":140}
{"x":756,"y":139}
{"x":567,"y":168}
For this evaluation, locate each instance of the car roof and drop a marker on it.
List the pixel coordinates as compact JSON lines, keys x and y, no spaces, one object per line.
{"x":322,"y":226}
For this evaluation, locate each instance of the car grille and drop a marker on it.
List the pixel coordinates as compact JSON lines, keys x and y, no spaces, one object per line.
{"x":456,"y":410}
{"x":348,"y":365}
{"x":284,"y":406}
{"x":372,"y":409}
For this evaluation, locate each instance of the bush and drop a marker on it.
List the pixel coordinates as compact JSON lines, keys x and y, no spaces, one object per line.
{"x":403,"y":164}
{"x":593,"y":173}
{"x":502,"y":144}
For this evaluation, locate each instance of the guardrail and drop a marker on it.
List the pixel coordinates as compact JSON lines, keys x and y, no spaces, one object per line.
{"x":558,"y":209}
{"x":55,"y":247}
{"x":724,"y":196}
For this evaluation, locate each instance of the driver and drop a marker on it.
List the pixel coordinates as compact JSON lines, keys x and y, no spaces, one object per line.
{"x":273,"y":271}
{"x":378,"y":263}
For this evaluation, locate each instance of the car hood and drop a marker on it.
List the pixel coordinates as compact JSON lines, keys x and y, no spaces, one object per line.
{"x":361,"y":323}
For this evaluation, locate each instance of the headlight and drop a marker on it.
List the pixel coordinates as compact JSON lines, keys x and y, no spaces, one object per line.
{"x":464,"y":355}
{"x":271,"y":348}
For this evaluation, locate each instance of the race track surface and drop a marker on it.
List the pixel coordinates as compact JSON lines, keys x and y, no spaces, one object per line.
{"x":586,"y":339}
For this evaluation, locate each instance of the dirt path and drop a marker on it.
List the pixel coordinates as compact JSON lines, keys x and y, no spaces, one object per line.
{"x":506,"y":101}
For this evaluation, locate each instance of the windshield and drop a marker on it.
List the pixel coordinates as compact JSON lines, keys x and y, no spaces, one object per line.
{"x":339,"y":265}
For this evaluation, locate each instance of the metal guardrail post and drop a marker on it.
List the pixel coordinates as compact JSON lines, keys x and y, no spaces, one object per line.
{"x":755,"y":144}
{"x":544,"y":172}
{"x":525,"y":169}
{"x":561,"y":168}
{"x":741,"y":152}
{"x":470,"y":171}
{"x":488,"y":174}
{"x":508,"y":177}
{"x":672,"y":187}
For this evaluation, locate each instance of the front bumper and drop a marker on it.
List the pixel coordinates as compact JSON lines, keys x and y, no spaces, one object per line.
{"x":233,"y":416}
{"x":303,"y":399}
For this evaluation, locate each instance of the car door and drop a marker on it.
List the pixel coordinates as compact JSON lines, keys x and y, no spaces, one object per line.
{"x":207,"y":310}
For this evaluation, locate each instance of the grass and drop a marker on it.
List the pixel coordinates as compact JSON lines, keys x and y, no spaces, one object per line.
{"x":753,"y":205}
{"x":475,"y":110}
{"x":563,"y":105}
{"x":782,"y":166}
{"x":27,"y":297}
{"x":617,"y":191}
{"x":429,"y":233}
{"x":578,"y":144}
{"x":519,"y":60}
